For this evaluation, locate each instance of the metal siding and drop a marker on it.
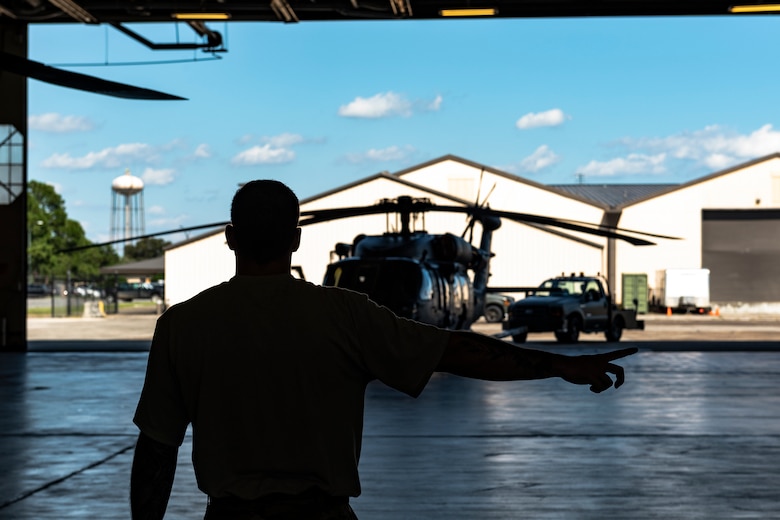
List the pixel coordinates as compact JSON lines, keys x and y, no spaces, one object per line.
{"x":196,"y":266}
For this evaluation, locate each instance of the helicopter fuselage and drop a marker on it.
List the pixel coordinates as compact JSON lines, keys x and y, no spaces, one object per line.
{"x":420,"y":290}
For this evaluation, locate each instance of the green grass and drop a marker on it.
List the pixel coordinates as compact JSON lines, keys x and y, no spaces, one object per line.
{"x":77,"y":310}
{"x":40,"y":312}
{"x":138,"y":304}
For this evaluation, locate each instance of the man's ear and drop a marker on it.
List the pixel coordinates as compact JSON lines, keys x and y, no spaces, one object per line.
{"x":230,"y":236}
{"x":297,"y":242}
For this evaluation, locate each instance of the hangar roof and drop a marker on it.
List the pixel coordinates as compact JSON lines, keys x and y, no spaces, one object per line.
{"x":613,"y":195}
{"x":618,"y":196}
{"x":135,"y":11}
{"x":141,"y":267}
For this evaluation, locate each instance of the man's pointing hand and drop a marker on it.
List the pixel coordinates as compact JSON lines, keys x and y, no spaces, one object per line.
{"x":593,"y":369}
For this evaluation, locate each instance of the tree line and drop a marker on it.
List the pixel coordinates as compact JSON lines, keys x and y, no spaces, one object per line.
{"x":51,"y":231}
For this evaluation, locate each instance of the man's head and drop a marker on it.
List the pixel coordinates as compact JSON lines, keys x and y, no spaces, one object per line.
{"x":264,"y":221}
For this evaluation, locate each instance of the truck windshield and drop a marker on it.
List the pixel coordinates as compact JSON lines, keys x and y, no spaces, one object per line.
{"x":558,"y":287}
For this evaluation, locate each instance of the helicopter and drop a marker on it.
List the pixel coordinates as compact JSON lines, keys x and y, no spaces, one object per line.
{"x":438,"y":279}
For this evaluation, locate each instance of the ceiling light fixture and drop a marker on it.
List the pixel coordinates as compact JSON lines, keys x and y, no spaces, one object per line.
{"x":201,"y":16}
{"x":755,"y":8}
{"x":469,"y":12}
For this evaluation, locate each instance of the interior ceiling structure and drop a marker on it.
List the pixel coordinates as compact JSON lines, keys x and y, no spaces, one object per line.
{"x":135,"y":11}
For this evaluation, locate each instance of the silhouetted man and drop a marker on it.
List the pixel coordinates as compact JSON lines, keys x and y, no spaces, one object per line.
{"x":276,"y":402}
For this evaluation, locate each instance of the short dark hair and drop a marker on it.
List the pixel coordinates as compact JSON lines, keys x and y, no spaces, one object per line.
{"x":264,"y":215}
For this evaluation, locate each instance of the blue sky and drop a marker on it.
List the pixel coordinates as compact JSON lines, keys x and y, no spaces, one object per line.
{"x":319,"y":105}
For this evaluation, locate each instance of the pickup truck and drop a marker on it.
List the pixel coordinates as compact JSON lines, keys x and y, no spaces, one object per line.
{"x":568,"y":306}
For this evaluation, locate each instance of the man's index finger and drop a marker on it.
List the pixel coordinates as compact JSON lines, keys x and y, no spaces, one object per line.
{"x":617,"y":354}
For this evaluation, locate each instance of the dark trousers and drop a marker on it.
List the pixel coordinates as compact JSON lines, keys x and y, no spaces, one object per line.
{"x":311,"y":505}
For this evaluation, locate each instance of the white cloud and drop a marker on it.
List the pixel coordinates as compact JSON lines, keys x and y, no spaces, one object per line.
{"x":159,"y":177}
{"x":283,"y":140}
{"x":540,"y":159}
{"x":58,"y":123}
{"x":379,"y":105}
{"x":435,"y":105}
{"x":266,"y":154}
{"x":202,"y":151}
{"x":633,"y":164}
{"x":714,"y":147}
{"x":391,"y":153}
{"x":245,"y":139}
{"x":273,"y":149}
{"x":554,"y":117}
{"x":156,"y":210}
{"x":109,"y":158}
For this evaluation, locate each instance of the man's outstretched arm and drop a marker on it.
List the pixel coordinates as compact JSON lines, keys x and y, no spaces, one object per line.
{"x":151,"y":480}
{"x":473,"y":355}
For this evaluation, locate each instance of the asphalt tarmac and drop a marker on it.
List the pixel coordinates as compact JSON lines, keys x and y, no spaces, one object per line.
{"x":134,"y":329}
{"x":693,"y":434}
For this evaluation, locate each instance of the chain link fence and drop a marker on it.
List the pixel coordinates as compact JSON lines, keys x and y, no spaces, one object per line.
{"x":97,"y":297}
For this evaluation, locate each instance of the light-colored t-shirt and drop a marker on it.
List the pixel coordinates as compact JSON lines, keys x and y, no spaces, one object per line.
{"x":271,"y":373}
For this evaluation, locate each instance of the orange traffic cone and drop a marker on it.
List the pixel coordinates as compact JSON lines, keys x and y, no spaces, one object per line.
{"x":668,"y":311}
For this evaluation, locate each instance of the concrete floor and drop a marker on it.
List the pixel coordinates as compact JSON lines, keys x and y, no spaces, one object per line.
{"x":692,"y":435}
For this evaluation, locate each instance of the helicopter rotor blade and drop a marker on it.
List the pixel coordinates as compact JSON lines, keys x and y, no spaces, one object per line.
{"x":591,"y":229}
{"x":139,"y":237}
{"x":412,"y":206}
{"x":64,"y":78}
{"x":470,"y":225}
{"x":624,"y":230}
{"x":326,"y":215}
{"x":484,"y":202}
{"x":400,"y":205}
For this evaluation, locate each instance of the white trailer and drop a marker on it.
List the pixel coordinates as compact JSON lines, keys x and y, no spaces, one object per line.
{"x":683,"y":290}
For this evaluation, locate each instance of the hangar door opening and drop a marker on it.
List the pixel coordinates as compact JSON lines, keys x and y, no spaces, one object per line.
{"x":741,"y":248}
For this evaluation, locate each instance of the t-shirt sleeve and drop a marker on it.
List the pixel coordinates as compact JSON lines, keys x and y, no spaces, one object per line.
{"x":401,"y":353}
{"x":160,"y":413}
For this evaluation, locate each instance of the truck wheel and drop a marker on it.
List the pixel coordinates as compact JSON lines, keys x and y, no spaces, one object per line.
{"x":572,"y":333}
{"x":494,"y":314}
{"x":615,"y":330}
{"x":520,"y":338}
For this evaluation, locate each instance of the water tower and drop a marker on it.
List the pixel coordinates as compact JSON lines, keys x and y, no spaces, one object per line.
{"x":127,"y":207}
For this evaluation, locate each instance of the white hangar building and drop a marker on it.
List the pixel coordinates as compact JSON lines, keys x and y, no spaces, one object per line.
{"x":727,"y":222}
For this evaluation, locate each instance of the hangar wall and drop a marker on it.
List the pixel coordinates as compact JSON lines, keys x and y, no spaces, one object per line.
{"x":526,"y":255}
{"x":680,"y":212}
{"x":195,"y":265}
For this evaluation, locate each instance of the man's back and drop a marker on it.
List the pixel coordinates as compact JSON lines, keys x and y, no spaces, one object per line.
{"x":276,"y":400}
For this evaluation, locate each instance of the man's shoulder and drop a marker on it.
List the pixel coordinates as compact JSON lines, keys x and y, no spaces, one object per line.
{"x":204,"y":298}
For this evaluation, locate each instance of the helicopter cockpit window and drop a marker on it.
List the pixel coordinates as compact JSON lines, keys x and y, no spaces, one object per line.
{"x":394,"y":284}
